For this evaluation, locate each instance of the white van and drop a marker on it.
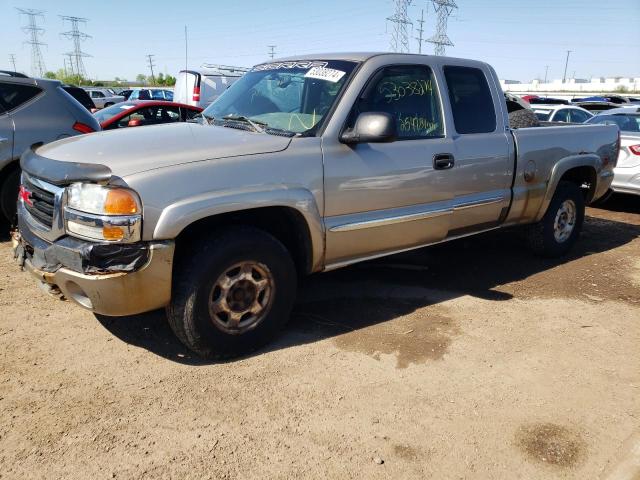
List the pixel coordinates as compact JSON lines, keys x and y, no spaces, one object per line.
{"x":201,"y":87}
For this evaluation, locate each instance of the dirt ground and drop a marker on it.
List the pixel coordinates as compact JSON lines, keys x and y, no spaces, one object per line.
{"x":467,"y":360}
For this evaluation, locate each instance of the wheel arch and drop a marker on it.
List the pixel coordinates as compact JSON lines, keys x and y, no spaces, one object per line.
{"x":579,"y":169}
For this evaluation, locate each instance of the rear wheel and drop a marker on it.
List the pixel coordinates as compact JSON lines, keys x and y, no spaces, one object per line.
{"x":108,"y":104}
{"x":560,"y":227}
{"x":233,"y":294}
{"x":9,"y":196}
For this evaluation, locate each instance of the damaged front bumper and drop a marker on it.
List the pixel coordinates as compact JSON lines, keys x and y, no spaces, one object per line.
{"x":109,"y":279}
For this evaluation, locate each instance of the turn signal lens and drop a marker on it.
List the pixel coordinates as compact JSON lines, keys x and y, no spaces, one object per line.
{"x":120,"y":202}
{"x":113,"y":233}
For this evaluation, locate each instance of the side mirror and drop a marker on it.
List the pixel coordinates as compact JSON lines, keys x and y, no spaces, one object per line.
{"x":134,"y":123}
{"x":372,"y":127}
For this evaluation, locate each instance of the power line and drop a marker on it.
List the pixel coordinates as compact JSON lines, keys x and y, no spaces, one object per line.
{"x":420,"y":30}
{"x":37,"y":61}
{"x":566,"y":63}
{"x":77,"y":36}
{"x":400,"y":19}
{"x":272,"y":51}
{"x":12,"y":59}
{"x":440,"y":40}
{"x":151,"y":65}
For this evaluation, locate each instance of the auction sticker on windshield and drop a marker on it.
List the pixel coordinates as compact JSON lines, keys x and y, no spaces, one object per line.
{"x":322,"y":73}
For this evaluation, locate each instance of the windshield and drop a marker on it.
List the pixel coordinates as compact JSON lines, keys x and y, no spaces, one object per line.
{"x":626,"y":123}
{"x":290,"y":96}
{"x":106,"y":113}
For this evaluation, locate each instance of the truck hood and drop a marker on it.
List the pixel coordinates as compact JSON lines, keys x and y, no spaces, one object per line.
{"x":138,"y":149}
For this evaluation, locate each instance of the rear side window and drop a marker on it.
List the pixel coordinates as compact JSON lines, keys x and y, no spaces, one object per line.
{"x":561,"y":115}
{"x":13,"y":95}
{"x":471,"y":100}
{"x":408,"y":93}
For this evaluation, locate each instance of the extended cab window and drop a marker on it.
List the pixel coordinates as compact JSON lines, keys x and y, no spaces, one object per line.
{"x":13,"y":95}
{"x":471,"y":100}
{"x":408,"y":93}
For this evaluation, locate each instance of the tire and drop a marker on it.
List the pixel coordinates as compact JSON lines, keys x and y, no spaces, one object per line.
{"x":523,"y":118}
{"x":197,"y":293}
{"x":544,"y":238}
{"x":9,"y":196}
{"x":108,"y":104}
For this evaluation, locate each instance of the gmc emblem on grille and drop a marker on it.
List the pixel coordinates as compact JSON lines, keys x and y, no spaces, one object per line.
{"x":25,"y":196}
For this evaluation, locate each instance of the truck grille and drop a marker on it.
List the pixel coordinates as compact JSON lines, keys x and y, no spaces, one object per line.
{"x":41,"y":203}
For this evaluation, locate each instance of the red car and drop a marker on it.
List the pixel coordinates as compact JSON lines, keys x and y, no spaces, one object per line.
{"x":140,"y":113}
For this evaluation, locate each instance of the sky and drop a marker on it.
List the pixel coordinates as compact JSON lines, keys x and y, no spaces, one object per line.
{"x":519,"y":38}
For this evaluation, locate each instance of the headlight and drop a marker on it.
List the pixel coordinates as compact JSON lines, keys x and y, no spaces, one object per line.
{"x":103,"y":213}
{"x":101,"y":200}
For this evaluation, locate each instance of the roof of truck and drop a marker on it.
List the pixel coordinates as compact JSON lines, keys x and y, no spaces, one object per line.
{"x":354,"y":56}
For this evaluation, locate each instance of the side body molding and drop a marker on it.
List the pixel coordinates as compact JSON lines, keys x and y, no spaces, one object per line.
{"x":177,"y":216}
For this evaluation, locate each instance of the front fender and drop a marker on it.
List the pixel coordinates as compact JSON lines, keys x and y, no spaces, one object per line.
{"x":177,"y":216}
{"x":563,"y":166}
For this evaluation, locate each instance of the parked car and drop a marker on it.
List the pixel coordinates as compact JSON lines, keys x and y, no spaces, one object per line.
{"x":151,"y":94}
{"x":104,"y":97}
{"x":32,"y":111}
{"x":561,"y":113}
{"x":617,"y":99}
{"x":125,"y":93}
{"x":627,"y":172}
{"x":201,"y":87}
{"x":595,"y":106}
{"x":141,"y":113}
{"x":548,"y":101}
{"x":304,"y":165}
{"x":81,"y":96}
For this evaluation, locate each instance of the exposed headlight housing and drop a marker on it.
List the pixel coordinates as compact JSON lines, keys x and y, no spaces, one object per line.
{"x":103,"y":213}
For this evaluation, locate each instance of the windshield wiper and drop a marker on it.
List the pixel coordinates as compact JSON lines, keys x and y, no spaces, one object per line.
{"x":207,"y":119}
{"x":257,"y":125}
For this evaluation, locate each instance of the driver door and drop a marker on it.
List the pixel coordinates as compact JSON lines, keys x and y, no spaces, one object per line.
{"x":383,"y":197}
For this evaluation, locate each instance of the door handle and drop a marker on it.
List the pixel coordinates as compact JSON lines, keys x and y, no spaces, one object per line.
{"x":443,"y":161}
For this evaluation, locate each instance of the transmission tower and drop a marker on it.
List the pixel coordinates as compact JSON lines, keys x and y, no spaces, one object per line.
{"x":420,"y":31}
{"x":12,"y":59}
{"x":77,"y":36}
{"x":400,"y":19}
{"x":151,"y":65}
{"x":440,"y":40}
{"x":34,"y":31}
{"x":272,"y":51}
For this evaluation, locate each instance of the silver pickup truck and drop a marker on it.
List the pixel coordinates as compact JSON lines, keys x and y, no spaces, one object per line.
{"x":303,"y":165}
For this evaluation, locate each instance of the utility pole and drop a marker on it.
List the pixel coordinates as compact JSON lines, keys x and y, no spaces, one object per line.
{"x":12,"y":59}
{"x":272,"y":51}
{"x":546,"y":71}
{"x":564,"y":77}
{"x":440,"y":40}
{"x":77,"y":36}
{"x":186,"y":51}
{"x":400,"y":36}
{"x":151,"y":65}
{"x":34,"y":31}
{"x":420,"y":30}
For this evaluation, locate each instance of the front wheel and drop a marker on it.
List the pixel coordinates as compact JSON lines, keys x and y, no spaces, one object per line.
{"x":233,"y":293}
{"x":560,"y":227}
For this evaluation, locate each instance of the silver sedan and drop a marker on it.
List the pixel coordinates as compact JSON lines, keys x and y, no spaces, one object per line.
{"x":627,"y":172}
